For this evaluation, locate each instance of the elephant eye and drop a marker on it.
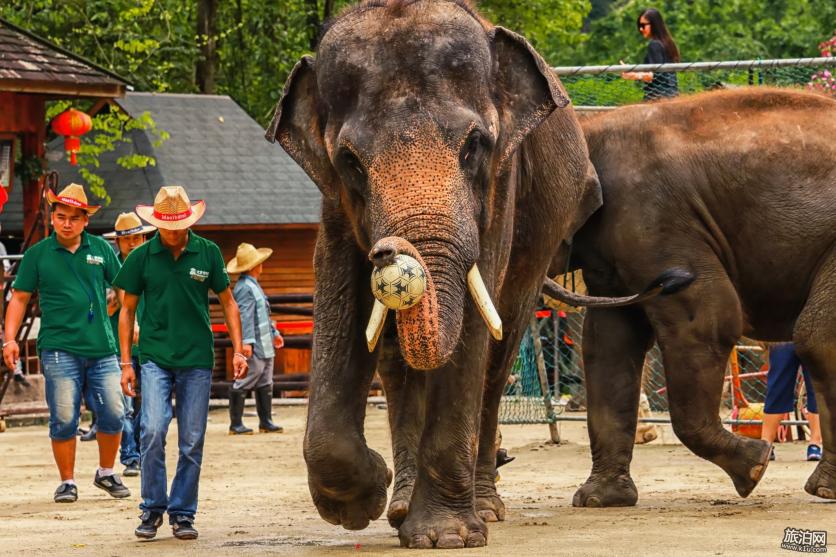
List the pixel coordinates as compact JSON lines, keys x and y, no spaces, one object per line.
{"x":353,"y":164}
{"x":472,"y":150}
{"x":352,"y":170}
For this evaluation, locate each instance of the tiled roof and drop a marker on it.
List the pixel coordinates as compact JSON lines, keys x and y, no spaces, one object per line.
{"x":216,"y":151}
{"x":25,"y":57}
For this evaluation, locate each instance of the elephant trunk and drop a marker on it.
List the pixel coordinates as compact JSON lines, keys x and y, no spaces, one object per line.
{"x":428,"y":331}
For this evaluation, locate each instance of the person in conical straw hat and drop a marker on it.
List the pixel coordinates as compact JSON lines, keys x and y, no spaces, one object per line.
{"x":70,"y":269}
{"x":129,"y":232}
{"x":174,"y":271}
{"x":261,"y":339}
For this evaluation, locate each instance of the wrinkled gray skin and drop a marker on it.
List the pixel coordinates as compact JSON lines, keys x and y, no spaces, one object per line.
{"x":740,"y":188}
{"x":419,"y":121}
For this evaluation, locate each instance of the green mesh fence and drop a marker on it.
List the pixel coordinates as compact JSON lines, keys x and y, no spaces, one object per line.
{"x":602,"y":87}
{"x":561,"y":338}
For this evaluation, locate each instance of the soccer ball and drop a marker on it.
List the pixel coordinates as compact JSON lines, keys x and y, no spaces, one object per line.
{"x":401,"y":284}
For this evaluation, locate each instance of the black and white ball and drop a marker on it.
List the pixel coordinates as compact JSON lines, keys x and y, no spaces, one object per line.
{"x":401,"y":284}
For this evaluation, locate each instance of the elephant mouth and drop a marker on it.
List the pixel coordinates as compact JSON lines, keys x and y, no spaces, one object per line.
{"x":428,"y":338}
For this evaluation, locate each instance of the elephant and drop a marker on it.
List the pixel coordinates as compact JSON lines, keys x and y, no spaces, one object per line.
{"x":434,"y":134}
{"x":739,"y":188}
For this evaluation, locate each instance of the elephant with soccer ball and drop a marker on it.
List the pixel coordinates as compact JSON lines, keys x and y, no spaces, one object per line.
{"x":435,"y":136}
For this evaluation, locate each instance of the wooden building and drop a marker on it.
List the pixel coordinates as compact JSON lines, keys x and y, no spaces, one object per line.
{"x":254,"y":193}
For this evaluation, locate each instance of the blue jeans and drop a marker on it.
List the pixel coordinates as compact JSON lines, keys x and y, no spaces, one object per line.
{"x":129,"y":447}
{"x":191,"y":388}
{"x":780,"y":381}
{"x":67,"y":375}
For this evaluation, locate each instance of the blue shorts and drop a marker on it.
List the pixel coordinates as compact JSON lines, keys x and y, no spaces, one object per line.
{"x":780,"y":382}
{"x":66,"y":376}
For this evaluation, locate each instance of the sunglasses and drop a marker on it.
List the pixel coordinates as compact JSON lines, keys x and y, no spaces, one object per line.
{"x":643,"y":25}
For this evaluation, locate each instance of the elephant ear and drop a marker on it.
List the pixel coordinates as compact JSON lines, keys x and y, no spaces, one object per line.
{"x":299,"y":127}
{"x":527,"y":90}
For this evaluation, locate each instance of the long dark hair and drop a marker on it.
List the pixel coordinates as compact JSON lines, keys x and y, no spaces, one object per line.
{"x":659,"y":31}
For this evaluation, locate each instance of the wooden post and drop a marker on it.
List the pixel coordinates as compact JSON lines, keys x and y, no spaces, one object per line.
{"x":33,"y":145}
{"x":554,"y":433}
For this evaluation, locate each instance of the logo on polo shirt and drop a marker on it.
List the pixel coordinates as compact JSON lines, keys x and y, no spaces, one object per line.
{"x":198,"y":275}
{"x":95,"y":259}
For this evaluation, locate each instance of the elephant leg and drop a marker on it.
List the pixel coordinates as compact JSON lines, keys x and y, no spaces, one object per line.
{"x":405,"y":391}
{"x":614,"y":345}
{"x":696,"y":330}
{"x":815,"y":342}
{"x":489,"y":505}
{"x":442,"y":513}
{"x":347,"y":480}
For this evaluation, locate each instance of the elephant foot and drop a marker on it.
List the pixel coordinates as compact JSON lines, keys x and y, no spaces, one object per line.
{"x":606,"y":491}
{"x":353,"y":505}
{"x":490,"y":508}
{"x":402,"y":494}
{"x":822,"y":482}
{"x":646,"y":436}
{"x":749,"y":465}
{"x":425,"y":530}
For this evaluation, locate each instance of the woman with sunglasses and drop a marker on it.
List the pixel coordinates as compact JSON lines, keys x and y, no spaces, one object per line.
{"x":662,"y":49}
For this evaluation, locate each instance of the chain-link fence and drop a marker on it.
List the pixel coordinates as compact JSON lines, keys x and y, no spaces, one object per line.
{"x":560,"y":370}
{"x":605,"y":87}
{"x":560,"y":373}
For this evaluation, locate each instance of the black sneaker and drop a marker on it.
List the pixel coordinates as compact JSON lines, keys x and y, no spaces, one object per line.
{"x":113,"y":485}
{"x":66,"y":493}
{"x":131,"y":470}
{"x":147,"y":529}
{"x":183,"y":528}
{"x":89,"y":435}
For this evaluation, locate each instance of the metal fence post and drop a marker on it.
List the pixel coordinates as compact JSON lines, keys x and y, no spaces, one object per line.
{"x":554,"y":433}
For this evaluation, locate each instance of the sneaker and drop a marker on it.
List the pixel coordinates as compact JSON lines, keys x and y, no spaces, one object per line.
{"x":183,"y":528}
{"x":113,"y":485}
{"x":147,"y":529}
{"x":89,"y":435}
{"x":66,"y":493}
{"x":772,"y":453}
{"x":131,"y":470}
{"x":813,"y":452}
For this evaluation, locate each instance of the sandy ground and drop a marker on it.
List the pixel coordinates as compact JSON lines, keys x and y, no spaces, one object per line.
{"x":254,"y":501}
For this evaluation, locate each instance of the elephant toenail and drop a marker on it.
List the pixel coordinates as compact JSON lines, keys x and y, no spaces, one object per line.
{"x":476,"y":539}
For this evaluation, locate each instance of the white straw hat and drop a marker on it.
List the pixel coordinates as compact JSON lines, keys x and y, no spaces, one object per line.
{"x":128,"y":224}
{"x":73,"y":196}
{"x":172,"y":209}
{"x":247,"y":257}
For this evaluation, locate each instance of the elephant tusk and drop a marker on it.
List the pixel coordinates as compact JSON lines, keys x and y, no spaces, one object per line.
{"x":483,"y":301}
{"x":375,"y":326}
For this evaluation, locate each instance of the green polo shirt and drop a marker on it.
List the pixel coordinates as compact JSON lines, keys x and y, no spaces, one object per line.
{"x":175,"y":331}
{"x":71,"y":287}
{"x":114,"y":319}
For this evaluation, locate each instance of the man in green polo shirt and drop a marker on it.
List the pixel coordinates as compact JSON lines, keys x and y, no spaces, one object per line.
{"x":77,"y":349}
{"x":174,"y":271}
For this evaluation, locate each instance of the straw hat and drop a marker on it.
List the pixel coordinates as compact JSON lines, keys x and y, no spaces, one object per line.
{"x":247,"y":257}
{"x":128,"y":224}
{"x":72,"y":196}
{"x":172,"y":209}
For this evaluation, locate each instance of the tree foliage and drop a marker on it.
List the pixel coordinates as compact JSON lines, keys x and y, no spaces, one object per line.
{"x":157,"y":44}
{"x":712,"y":30}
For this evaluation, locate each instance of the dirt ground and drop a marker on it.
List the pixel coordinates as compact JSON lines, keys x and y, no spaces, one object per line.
{"x":254,"y":501}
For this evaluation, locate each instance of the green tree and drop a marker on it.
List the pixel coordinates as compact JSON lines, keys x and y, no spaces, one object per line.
{"x":552,"y":26}
{"x":713,"y":30}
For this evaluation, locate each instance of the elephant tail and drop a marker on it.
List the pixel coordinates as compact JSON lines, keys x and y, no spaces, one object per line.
{"x":669,"y":282}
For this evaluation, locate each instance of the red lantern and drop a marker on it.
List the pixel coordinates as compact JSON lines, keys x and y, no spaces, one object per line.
{"x":72,"y":124}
